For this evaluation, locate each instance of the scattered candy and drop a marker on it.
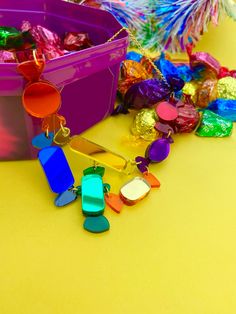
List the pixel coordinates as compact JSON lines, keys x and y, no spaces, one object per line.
{"x":227,"y":88}
{"x":143,"y":125}
{"x":188,"y":118}
{"x":146,"y":93}
{"x":207,"y":92}
{"x":213,"y":125}
{"x":46,"y":43}
{"x":77,"y":41}
{"x":225,"y":108}
{"x":131,"y":72}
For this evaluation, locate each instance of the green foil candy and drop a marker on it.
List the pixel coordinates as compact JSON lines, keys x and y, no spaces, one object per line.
{"x":213,"y":125}
{"x":10,"y":38}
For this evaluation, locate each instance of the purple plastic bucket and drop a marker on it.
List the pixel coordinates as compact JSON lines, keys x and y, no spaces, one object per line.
{"x":88,"y":78}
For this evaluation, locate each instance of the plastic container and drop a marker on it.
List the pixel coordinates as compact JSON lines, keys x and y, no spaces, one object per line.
{"x":88,"y":78}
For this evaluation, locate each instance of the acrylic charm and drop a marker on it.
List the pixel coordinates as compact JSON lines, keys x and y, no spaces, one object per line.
{"x":114,"y":202}
{"x":96,"y":224}
{"x":92,"y":195}
{"x":65,"y":198}
{"x":43,"y":140}
{"x":134,"y":191}
{"x":158,"y":150}
{"x":152,"y":180}
{"x":56,"y":169}
{"x":62,"y":137}
{"x":41,"y":99}
{"x":100,"y":154}
{"x":94,"y":170}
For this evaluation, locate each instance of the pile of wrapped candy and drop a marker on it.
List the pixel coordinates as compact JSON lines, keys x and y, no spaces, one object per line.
{"x":198,"y":95}
{"x":18,"y":45}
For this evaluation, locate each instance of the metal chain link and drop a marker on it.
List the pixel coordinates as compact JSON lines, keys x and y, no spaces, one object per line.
{"x":142,"y":50}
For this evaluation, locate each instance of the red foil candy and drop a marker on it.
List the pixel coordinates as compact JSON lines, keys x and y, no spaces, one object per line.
{"x":233,"y":73}
{"x":224,"y":72}
{"x":187,"y":119}
{"x":27,"y":55}
{"x":77,"y":41}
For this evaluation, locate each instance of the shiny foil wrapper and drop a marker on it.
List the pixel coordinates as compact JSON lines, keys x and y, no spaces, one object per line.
{"x":227,"y":88}
{"x":191,"y":89}
{"x":10,"y":38}
{"x":212,"y":125}
{"x":225,"y":108}
{"x":77,"y":41}
{"x":146,"y":93}
{"x":7,"y":56}
{"x":28,"y":54}
{"x":206,"y":93}
{"x":48,"y":41}
{"x":131,"y":72}
{"x":143,"y":125}
{"x":203,"y":58}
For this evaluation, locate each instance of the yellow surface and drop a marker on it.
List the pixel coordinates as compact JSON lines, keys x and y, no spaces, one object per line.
{"x":174,"y":253}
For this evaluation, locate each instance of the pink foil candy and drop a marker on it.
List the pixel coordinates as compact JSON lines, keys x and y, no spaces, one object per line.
{"x":48,"y":41}
{"x":204,"y":58}
{"x":6,"y":56}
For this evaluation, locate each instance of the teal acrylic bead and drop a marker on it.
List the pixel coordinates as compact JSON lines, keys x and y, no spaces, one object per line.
{"x":93,"y":203}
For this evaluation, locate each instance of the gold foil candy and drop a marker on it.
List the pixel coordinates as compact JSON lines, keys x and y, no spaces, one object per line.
{"x":207,"y":92}
{"x":143,"y":125}
{"x":227,"y":88}
{"x":134,"y":191}
{"x":191,"y":88}
{"x":131,"y":72}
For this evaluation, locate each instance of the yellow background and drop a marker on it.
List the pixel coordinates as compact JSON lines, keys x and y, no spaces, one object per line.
{"x":173,"y":253}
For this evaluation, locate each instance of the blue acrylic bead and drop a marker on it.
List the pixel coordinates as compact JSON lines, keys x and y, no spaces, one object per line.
{"x":56,"y":169}
{"x":41,"y":141}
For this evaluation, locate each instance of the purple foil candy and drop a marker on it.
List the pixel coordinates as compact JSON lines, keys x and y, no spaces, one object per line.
{"x":142,"y":163}
{"x":146,"y":93}
{"x":175,"y":82}
{"x":158,"y":150}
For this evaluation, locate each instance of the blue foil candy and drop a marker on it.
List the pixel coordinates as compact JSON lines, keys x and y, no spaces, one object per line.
{"x":133,"y":55}
{"x":185,"y":73}
{"x":166,"y":67}
{"x":56,"y":169}
{"x":224,"y":107}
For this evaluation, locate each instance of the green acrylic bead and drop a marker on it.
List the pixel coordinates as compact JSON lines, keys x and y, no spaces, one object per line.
{"x":213,"y":125}
{"x":94,"y":170}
